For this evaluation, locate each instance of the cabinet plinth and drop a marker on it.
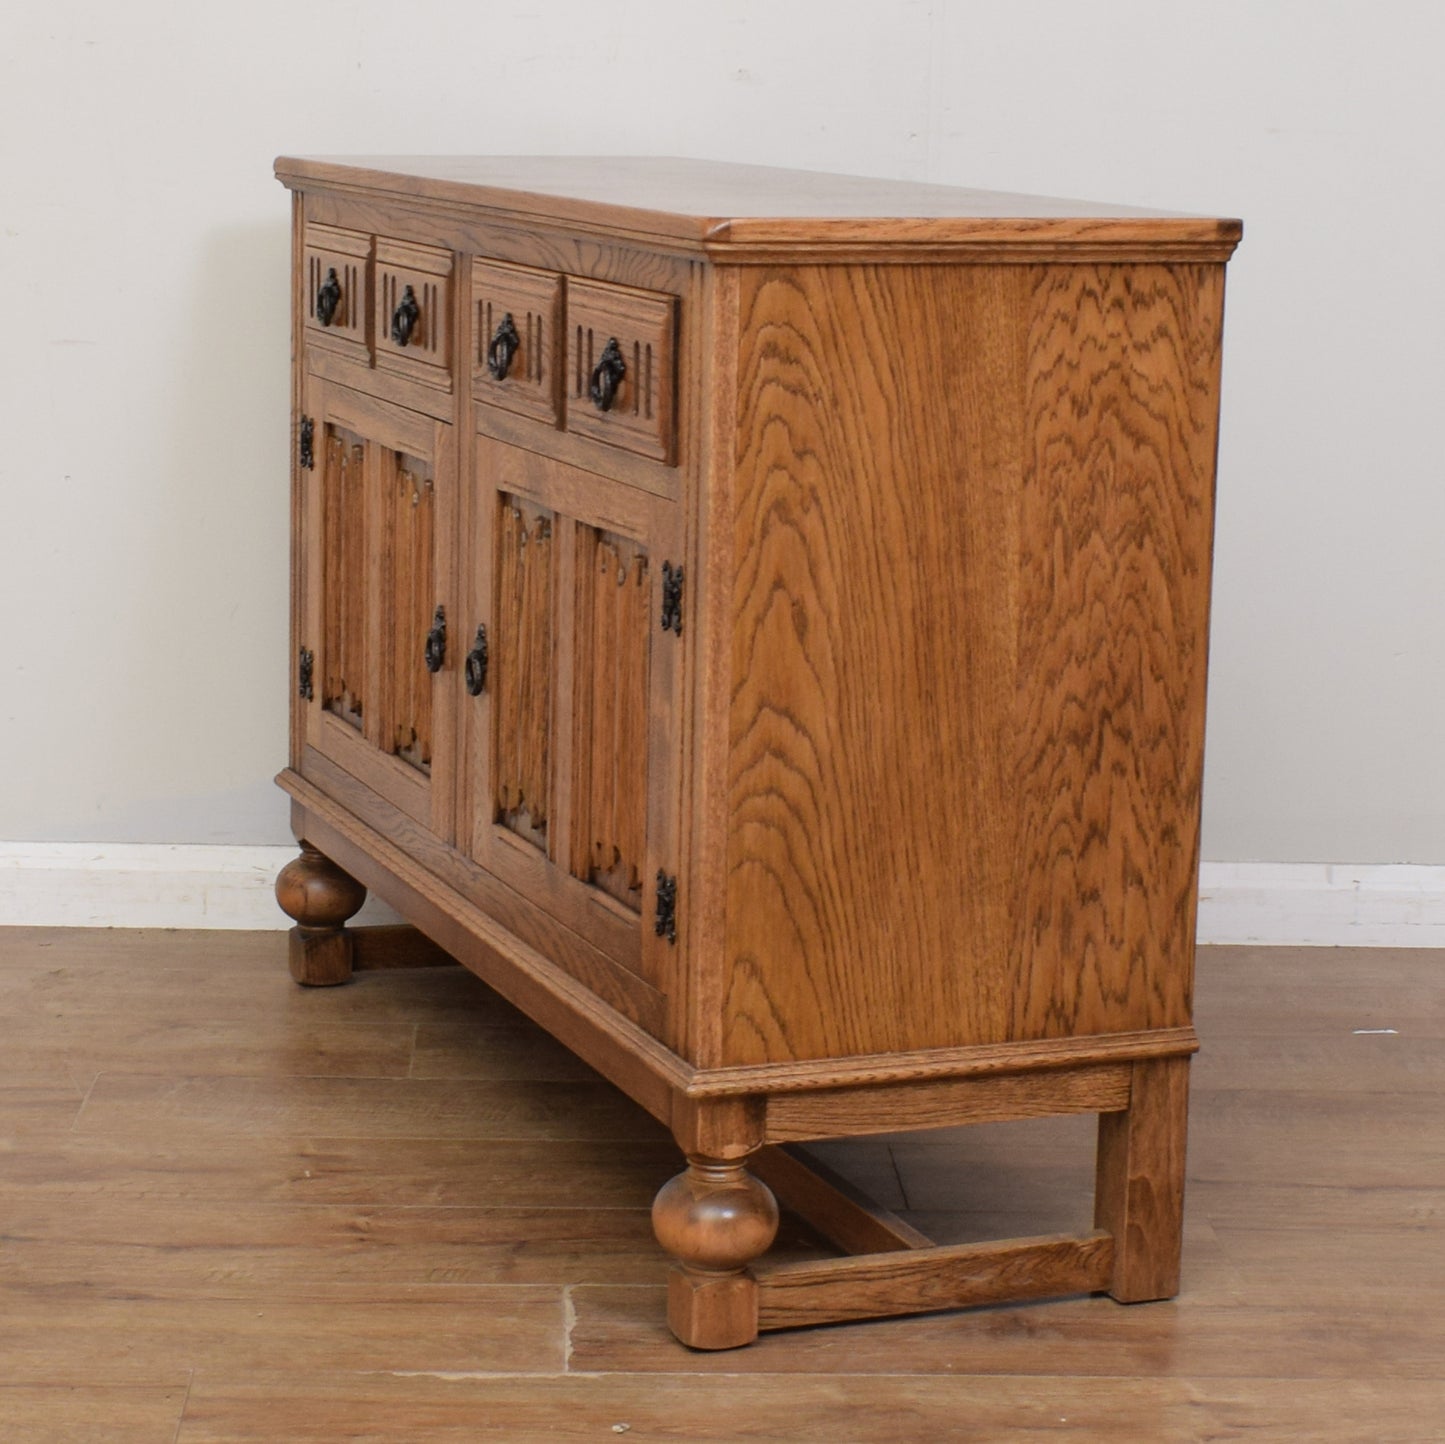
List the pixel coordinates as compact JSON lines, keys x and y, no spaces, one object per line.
{"x":758,"y":623}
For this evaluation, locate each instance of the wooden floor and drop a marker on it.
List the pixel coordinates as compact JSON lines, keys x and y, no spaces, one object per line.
{"x":232,"y":1209}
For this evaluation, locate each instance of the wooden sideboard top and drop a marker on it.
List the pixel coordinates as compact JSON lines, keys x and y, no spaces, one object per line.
{"x":720,"y":205}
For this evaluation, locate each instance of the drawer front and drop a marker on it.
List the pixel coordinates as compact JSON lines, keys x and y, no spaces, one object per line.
{"x":412,"y":315}
{"x":516,"y":312}
{"x":621,"y":366}
{"x":334,"y":278}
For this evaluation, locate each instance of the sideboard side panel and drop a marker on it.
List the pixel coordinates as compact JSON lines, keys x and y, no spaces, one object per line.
{"x":972,"y":531}
{"x":879,"y":459}
{"x":1116,"y":535}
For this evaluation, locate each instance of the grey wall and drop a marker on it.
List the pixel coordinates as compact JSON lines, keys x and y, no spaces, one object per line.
{"x":143,"y":256}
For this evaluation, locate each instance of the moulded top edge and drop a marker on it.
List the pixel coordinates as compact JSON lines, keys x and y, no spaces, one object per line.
{"x":720,"y":204}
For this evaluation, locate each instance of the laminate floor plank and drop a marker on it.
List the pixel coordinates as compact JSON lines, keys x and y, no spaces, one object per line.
{"x":86,"y":1048}
{"x":620,"y":1330}
{"x":1399,"y":1062}
{"x":1336,"y":1139}
{"x":795,"y":1410}
{"x":301,"y":1329}
{"x":254,"y":1249}
{"x":136,"y":1104}
{"x":461,"y":1049}
{"x":1324,"y":1206}
{"x":1311,"y":992}
{"x":804,"y":1409}
{"x":44,"y":1107}
{"x":361,"y":1171}
{"x":172,"y":997}
{"x":1315,"y":1268}
{"x":197,"y":950}
{"x":83,"y":1411}
{"x":395,"y":1211}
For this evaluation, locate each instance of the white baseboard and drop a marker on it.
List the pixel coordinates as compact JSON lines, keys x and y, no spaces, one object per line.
{"x":147,"y":885}
{"x":142,"y":885}
{"x":1322,"y":904}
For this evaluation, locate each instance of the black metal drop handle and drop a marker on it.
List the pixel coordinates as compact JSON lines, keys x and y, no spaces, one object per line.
{"x":436,"y":641}
{"x":328,"y":298}
{"x":476,"y":665}
{"x":607,"y":376}
{"x":405,"y":317}
{"x":504,"y":344}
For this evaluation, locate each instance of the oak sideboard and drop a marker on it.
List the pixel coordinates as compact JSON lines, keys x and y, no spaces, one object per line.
{"x":757,"y":621}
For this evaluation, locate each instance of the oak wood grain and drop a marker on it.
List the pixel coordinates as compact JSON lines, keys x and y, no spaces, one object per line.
{"x":1116,"y":523}
{"x":946,"y":524}
{"x":889,"y":1108}
{"x":871,"y":657}
{"x":923,"y":1280}
{"x":1139,"y":1196}
{"x":693,"y":200}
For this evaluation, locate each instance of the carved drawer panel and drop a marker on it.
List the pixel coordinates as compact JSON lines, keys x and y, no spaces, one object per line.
{"x":412,"y":314}
{"x":621,"y":365}
{"x":334,"y":288}
{"x":516,"y":316}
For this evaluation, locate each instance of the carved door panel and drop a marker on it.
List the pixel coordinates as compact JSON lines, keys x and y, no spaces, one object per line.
{"x":377,"y":498}
{"x":572,"y":744}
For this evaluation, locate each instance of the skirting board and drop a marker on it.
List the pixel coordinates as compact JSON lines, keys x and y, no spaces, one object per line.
{"x":141,"y":885}
{"x":147,"y":885}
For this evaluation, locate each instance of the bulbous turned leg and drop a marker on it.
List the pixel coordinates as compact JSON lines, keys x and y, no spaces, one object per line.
{"x":314,"y":891}
{"x":714,"y":1219}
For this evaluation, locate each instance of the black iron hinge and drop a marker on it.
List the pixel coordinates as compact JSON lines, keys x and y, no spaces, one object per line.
{"x":308,"y":443}
{"x":671,"y":598}
{"x":305,"y":665}
{"x":666,"y":926}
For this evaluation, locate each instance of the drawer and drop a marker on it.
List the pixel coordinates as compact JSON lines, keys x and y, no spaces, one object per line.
{"x":516,"y":316}
{"x":412,"y":316}
{"x":621,"y":365}
{"x":335,"y":278}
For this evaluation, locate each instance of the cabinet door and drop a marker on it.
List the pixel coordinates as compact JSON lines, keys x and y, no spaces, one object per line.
{"x":378,"y":499}
{"x":572,"y":744}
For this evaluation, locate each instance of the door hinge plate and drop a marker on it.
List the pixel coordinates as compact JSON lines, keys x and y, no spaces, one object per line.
{"x":666,"y":925}
{"x":308,"y":444}
{"x":305,"y":666}
{"x":671,"y":598}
